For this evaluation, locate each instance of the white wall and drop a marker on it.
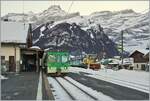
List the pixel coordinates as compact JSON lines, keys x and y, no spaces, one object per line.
{"x":139,"y":65}
{"x":10,"y":51}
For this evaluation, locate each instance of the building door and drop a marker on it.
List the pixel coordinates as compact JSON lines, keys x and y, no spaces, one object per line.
{"x":29,"y":62}
{"x":12,"y":66}
{"x":143,"y":67}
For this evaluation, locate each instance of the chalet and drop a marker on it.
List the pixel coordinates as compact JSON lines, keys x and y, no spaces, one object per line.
{"x":140,"y":61}
{"x":16,"y":47}
{"x":146,"y":56}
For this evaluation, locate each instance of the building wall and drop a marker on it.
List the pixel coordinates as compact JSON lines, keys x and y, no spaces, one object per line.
{"x":138,"y":57}
{"x":138,"y":66}
{"x":9,"y":50}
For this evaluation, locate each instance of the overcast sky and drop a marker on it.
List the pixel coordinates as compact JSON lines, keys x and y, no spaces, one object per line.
{"x":84,"y":7}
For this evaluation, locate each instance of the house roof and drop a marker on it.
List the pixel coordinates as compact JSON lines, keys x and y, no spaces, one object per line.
{"x":13,"y":32}
{"x":147,"y":54}
{"x":144,"y":51}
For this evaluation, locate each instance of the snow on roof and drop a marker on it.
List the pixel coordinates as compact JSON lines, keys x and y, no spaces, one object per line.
{"x":3,"y":77}
{"x":114,"y":61}
{"x":144,"y":51}
{"x":14,"y":32}
{"x":35,"y":47}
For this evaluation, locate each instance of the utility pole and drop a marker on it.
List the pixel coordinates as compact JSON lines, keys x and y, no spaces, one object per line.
{"x":122,"y":48}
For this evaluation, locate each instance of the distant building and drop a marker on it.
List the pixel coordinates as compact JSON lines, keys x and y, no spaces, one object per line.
{"x":146,"y":56}
{"x":15,"y":55}
{"x":13,"y":35}
{"x":116,"y":62}
{"x":140,"y":61}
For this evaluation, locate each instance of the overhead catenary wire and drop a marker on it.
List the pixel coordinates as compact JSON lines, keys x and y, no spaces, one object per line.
{"x":23,"y":13}
{"x":53,"y":2}
{"x":70,"y":7}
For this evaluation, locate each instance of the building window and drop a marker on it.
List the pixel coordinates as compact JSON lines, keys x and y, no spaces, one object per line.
{"x":137,"y":66}
{"x":143,"y":67}
{"x":2,"y":60}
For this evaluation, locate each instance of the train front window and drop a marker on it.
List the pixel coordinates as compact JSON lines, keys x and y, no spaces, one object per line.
{"x":64,"y":59}
{"x":51,"y":58}
{"x":58,"y":58}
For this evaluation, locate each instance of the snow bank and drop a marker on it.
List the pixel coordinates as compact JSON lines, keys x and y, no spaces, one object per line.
{"x":2,"y":77}
{"x":58,"y":92}
{"x":75,"y":92}
{"x":90,"y":91}
{"x":138,"y":80}
{"x":35,"y":47}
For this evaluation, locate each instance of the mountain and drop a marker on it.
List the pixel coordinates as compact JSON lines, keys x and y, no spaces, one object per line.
{"x":70,"y":37}
{"x":53,"y":13}
{"x":136,"y":25}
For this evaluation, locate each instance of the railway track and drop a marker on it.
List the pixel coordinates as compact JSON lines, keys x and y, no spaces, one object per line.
{"x":73,"y":91}
{"x":71,"y":97}
{"x":76,"y":92}
{"x":81,"y":89}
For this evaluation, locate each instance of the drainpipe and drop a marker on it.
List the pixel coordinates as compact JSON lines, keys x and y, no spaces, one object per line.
{"x":37,"y":70}
{"x":122,"y":49}
{"x":15,"y":58}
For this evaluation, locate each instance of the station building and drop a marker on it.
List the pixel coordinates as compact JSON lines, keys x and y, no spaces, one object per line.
{"x":141,"y":59}
{"x":17,"y":52}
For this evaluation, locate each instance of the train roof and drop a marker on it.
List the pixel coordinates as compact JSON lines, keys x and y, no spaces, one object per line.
{"x":57,"y":53}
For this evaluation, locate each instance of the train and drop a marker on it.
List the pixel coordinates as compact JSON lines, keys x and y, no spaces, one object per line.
{"x":56,"y":63}
{"x":91,"y":62}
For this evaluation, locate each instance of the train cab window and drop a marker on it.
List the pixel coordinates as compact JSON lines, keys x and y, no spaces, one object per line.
{"x":64,"y":59}
{"x":59,"y":58}
{"x":52,"y":58}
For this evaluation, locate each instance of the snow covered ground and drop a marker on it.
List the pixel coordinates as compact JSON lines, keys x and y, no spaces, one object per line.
{"x":66,"y":88}
{"x":97,"y":95}
{"x":138,"y":80}
{"x":2,"y":77}
{"x":77,"y":90}
{"x":56,"y":88}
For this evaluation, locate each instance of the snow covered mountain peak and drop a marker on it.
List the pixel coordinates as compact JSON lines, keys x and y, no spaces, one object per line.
{"x":126,"y":11}
{"x":30,"y":13}
{"x":101,"y":12}
{"x":53,"y":13}
{"x":53,"y":10}
{"x":112,"y":22}
{"x":54,"y":7}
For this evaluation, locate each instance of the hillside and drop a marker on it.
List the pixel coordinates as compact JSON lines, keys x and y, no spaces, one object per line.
{"x":70,"y":37}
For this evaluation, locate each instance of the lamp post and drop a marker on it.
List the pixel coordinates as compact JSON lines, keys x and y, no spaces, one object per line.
{"x":122,"y":48}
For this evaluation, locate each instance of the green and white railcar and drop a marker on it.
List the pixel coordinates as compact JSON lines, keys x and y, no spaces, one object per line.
{"x":56,"y":62}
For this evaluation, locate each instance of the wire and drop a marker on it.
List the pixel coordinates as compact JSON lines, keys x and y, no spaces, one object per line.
{"x":70,"y":7}
{"x":23,"y":13}
{"x":54,"y":2}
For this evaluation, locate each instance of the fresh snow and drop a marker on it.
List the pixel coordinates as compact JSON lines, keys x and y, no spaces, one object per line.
{"x":3,"y":77}
{"x":114,"y":22}
{"x":138,"y":80}
{"x":41,"y":30}
{"x":36,"y":41}
{"x":94,"y":93}
{"x":75,"y":92}
{"x":35,"y":47}
{"x":58,"y":92}
{"x":91,"y":35}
